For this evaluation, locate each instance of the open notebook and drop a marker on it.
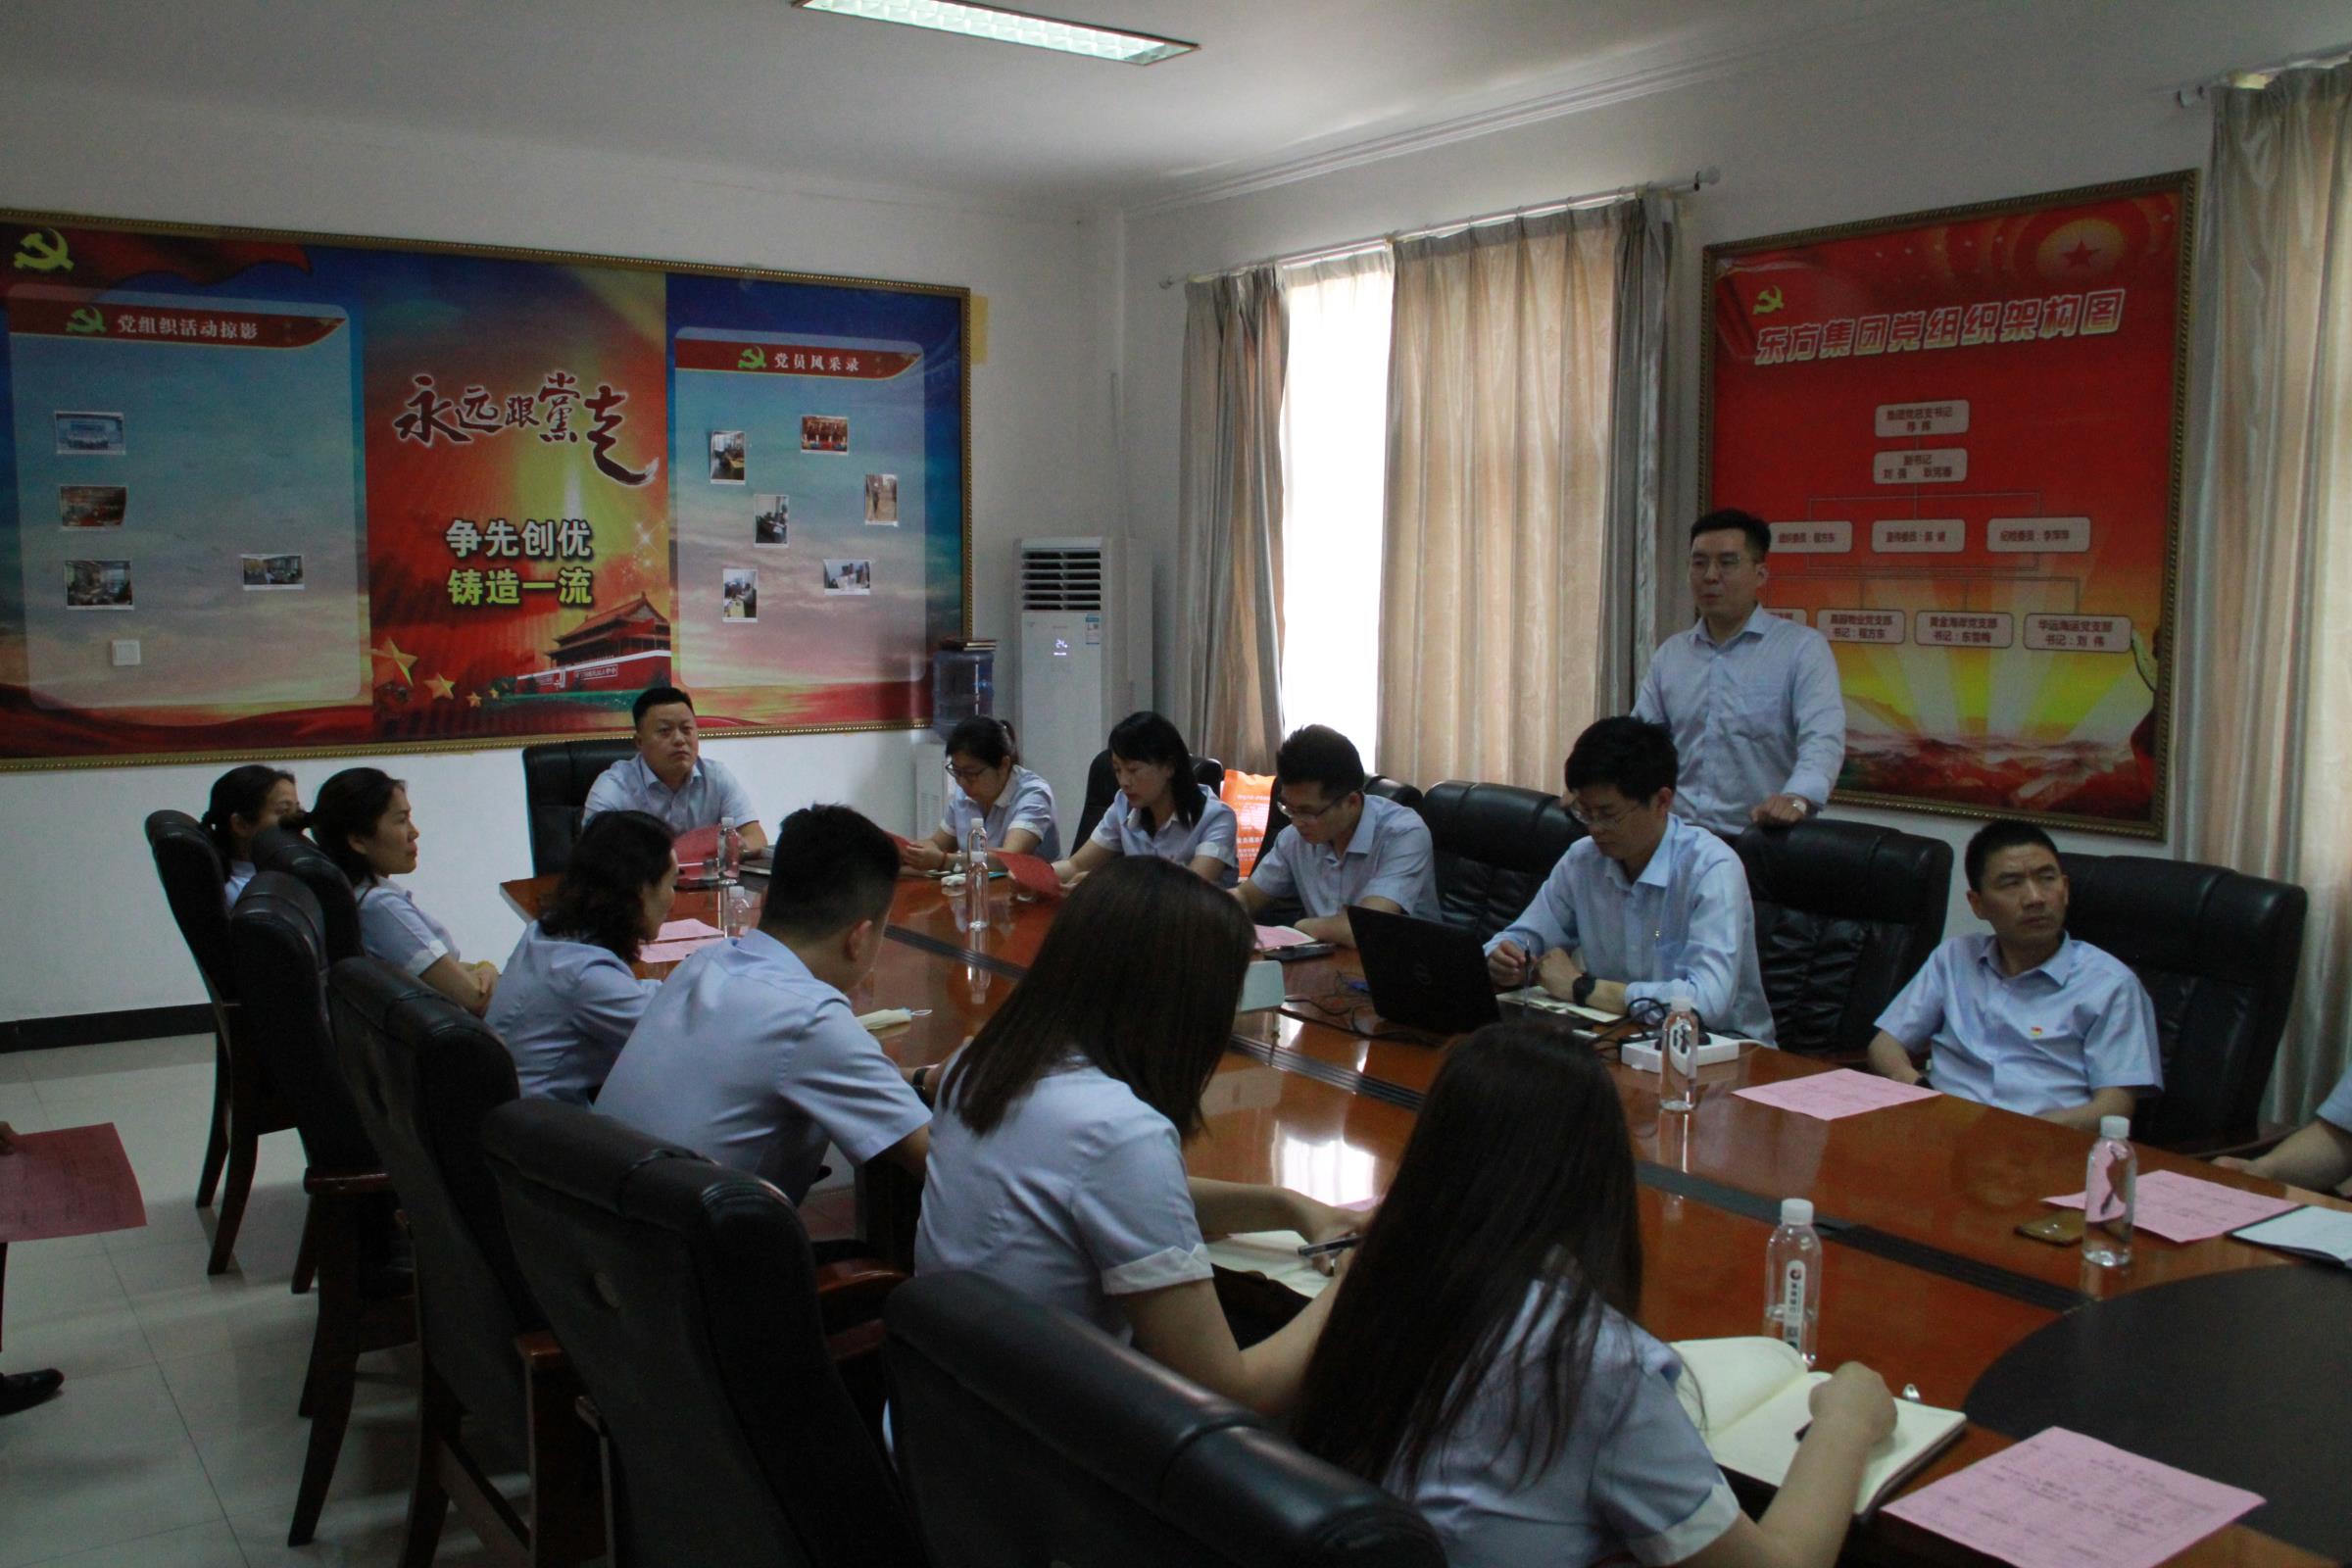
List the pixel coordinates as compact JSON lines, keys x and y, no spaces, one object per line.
{"x":1750,"y":1398}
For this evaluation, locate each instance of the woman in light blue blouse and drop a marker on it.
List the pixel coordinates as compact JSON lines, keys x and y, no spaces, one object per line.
{"x":987,"y":783}
{"x":1161,"y":808}
{"x":362,"y":821}
{"x":569,"y":998}
{"x":244,"y":800}
{"x":1483,"y":1361}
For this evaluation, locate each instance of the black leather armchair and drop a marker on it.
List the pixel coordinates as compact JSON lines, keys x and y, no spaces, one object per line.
{"x":424,"y":1074}
{"x":2218,"y":950}
{"x":1493,"y":845}
{"x":245,"y":1108}
{"x":275,"y":849}
{"x":1845,"y":915}
{"x":688,"y":1301}
{"x":1102,"y":786}
{"x":279,"y":948}
{"x":1026,"y":1435}
{"x":556,"y":780}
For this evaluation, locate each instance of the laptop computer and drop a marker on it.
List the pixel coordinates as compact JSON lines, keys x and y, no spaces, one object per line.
{"x":1422,"y":973}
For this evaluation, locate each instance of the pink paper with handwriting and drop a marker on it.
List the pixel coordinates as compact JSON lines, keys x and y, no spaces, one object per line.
{"x":1837,"y":1092}
{"x":2182,"y":1209}
{"x":2060,"y":1499}
{"x":1271,"y":937}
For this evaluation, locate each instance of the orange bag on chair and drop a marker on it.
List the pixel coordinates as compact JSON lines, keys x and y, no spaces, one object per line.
{"x":1251,"y":795}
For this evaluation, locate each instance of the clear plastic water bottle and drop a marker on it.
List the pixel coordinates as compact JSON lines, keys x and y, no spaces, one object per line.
{"x":1678,"y":1052}
{"x":735,"y":909}
{"x":1793,"y":1278}
{"x":976,"y":874}
{"x":730,"y":853}
{"x":2110,"y":1185}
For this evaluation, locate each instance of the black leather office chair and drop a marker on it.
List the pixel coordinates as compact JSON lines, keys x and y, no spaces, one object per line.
{"x":290,"y":854}
{"x":1845,"y":915}
{"x":1026,"y":1435}
{"x":1493,"y":845}
{"x":556,"y":780}
{"x":245,"y":1107}
{"x":1102,"y":786}
{"x":424,"y":1073}
{"x":688,"y":1301}
{"x":2218,"y":951}
{"x":279,"y":948}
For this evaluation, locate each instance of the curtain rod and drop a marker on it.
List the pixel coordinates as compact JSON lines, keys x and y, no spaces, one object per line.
{"x":1697,"y":181}
{"x":2257,"y":77}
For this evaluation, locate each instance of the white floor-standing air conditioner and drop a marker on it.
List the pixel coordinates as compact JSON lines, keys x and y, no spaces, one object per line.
{"x":1086,"y":638}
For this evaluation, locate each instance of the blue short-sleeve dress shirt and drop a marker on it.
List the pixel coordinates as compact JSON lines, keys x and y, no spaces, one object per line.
{"x":748,"y":1060}
{"x":564,"y":1009}
{"x":1388,"y":856}
{"x":2336,"y":1109}
{"x":710,"y":793}
{"x":1759,"y":716}
{"x":1077,"y":1197}
{"x":1130,"y":832}
{"x":1027,"y":801}
{"x":394,"y":929}
{"x":2045,"y":1040}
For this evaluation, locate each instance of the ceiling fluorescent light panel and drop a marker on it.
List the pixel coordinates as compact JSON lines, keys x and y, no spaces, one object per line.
{"x":1010,"y":26}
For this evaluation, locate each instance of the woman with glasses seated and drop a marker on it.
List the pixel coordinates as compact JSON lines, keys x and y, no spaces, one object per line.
{"x":1160,"y":810}
{"x":987,"y":784}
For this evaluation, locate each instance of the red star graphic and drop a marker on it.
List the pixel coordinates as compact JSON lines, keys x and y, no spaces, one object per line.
{"x":2080,"y":256}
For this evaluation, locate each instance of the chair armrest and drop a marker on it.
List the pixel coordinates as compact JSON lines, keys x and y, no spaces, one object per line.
{"x":855,"y":1344}
{"x":346,"y":1184}
{"x":852,"y":1290}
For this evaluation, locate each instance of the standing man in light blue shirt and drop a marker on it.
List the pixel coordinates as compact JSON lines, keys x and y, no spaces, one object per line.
{"x":751,"y":1055}
{"x":1645,"y":904}
{"x":1752,"y":698}
{"x":669,"y":778}
{"x":1342,"y":847}
{"x":2028,"y":1018}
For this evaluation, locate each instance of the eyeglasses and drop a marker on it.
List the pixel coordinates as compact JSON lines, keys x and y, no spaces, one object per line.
{"x":1312,"y":813}
{"x":965,"y":775}
{"x":1602,"y":819}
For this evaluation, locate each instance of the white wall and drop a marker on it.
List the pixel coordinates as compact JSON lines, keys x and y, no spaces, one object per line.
{"x":1977,"y":102}
{"x":85,"y":927}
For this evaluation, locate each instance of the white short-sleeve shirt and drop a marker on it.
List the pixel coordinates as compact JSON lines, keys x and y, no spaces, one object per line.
{"x":394,"y":929}
{"x":240,"y":872}
{"x":710,"y":793}
{"x":1076,"y":1197}
{"x":2336,"y":1109}
{"x":1388,"y":856}
{"x":1633,"y":1479}
{"x":746,"y":1058}
{"x":1027,"y":801}
{"x":564,"y":1009}
{"x":1130,"y":832}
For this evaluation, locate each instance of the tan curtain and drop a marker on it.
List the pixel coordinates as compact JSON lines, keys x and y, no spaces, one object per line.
{"x":1501,"y":376}
{"x":1229,"y":519}
{"x":2266,"y":718}
{"x":1632,"y":540}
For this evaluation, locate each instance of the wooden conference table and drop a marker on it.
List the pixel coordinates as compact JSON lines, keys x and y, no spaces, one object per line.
{"x":1924,"y":1278}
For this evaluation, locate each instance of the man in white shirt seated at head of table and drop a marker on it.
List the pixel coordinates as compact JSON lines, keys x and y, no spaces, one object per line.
{"x":1342,"y":847}
{"x":751,"y":1055}
{"x":1646,"y":905}
{"x":2318,"y":1154}
{"x":669,"y":778}
{"x":2027,"y":1018}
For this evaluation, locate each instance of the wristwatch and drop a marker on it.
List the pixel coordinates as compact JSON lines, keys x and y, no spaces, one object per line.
{"x":1581,"y":993}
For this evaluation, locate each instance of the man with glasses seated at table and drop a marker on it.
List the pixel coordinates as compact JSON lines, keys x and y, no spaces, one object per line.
{"x":1342,"y":847}
{"x":2027,"y":1018}
{"x":1645,"y":904}
{"x":670,"y":779}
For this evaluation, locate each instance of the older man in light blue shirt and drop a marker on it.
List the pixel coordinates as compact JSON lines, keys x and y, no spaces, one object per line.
{"x":1752,"y":698}
{"x":670,"y":779}
{"x":2027,"y":1018}
{"x":1342,"y":847}
{"x":1646,"y":904}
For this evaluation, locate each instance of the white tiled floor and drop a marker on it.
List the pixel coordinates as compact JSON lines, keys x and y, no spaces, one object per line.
{"x":174,"y":1441}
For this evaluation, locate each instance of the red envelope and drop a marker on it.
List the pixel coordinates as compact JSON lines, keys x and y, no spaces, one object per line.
{"x":1032,"y":873}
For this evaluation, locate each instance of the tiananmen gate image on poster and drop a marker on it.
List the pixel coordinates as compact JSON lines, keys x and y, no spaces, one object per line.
{"x":1964,"y":428}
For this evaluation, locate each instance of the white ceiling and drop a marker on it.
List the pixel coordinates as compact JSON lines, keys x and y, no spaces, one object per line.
{"x":826,"y":98}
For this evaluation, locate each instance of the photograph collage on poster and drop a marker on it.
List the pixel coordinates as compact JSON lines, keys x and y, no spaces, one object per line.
{"x":771,"y":519}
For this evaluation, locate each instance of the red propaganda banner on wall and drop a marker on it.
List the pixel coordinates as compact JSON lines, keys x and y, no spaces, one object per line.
{"x":1965,"y":430}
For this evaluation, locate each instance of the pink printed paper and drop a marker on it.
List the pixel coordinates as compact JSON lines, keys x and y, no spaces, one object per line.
{"x":2182,"y":1209}
{"x":1270,"y":937}
{"x":685,"y":930}
{"x":2060,"y":1499}
{"x":1837,"y":1092}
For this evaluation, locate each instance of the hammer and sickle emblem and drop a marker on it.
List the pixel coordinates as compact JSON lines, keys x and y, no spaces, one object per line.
{"x":44,"y":250}
{"x":751,"y":358}
{"x":84,"y":321}
{"x":1768,"y":302}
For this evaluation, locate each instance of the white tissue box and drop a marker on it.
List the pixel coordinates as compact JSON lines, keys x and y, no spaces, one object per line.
{"x":1644,"y":1056}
